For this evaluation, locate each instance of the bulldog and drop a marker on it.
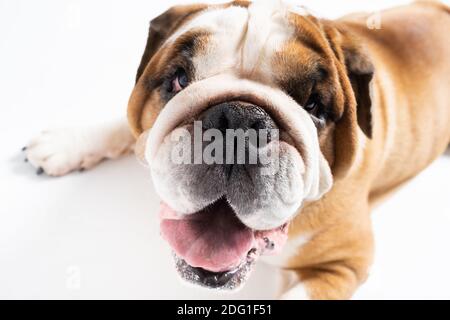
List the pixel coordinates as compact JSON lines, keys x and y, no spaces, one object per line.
{"x":354,"y":111}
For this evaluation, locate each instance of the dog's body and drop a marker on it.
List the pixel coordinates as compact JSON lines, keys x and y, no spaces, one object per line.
{"x":411,"y":105}
{"x":331,"y":242}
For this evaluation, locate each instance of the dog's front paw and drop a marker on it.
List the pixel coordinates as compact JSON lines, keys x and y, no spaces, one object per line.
{"x":61,"y":151}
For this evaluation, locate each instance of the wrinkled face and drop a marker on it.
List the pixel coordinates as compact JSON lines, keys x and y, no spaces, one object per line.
{"x":239,"y":110}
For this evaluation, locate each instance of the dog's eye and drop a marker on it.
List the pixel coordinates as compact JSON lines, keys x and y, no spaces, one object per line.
{"x":313,"y":105}
{"x":180,"y":81}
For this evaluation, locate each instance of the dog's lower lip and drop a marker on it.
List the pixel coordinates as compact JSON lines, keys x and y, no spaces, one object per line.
{"x":228,"y":280}
{"x":215,"y":279}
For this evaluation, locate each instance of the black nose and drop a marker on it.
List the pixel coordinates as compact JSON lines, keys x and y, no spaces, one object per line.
{"x":231,"y":118}
{"x":237,"y":115}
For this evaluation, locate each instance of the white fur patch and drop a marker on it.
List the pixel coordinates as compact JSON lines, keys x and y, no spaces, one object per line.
{"x":267,"y":30}
{"x":227,"y":27}
{"x":60,"y":151}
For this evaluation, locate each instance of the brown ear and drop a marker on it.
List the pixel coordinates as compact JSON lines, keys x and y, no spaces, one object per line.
{"x":360,"y":71}
{"x":355,"y":72}
{"x":162,"y":27}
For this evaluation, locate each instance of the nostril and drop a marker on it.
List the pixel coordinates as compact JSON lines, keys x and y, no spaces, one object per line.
{"x":223,"y":122}
{"x":216,"y":117}
{"x":263,"y":129}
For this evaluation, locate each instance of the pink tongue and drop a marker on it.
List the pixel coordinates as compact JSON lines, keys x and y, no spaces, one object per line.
{"x":213,"y":239}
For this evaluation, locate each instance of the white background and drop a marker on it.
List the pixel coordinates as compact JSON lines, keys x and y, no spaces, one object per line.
{"x":95,"y":234}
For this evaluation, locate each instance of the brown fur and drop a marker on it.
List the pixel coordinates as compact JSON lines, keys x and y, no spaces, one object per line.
{"x":411,"y":114}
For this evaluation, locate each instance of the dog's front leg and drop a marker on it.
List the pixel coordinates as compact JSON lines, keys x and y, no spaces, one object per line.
{"x":60,"y":151}
{"x":334,"y":281}
{"x":334,"y":264}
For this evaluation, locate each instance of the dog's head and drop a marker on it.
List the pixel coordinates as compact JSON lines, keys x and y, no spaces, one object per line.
{"x":245,"y":113}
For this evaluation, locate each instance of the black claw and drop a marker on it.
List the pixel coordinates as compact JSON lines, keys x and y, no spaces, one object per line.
{"x":39,"y":171}
{"x":24,"y":148}
{"x":26,"y":159}
{"x":81,"y":170}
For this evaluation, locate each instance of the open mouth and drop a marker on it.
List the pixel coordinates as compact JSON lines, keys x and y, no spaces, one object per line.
{"x":213,"y":248}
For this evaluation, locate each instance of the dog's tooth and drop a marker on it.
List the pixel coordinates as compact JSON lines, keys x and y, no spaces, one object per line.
{"x":269,"y":244}
{"x":251,"y":255}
